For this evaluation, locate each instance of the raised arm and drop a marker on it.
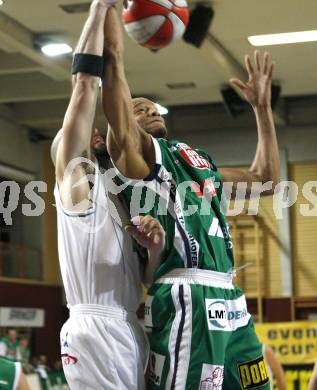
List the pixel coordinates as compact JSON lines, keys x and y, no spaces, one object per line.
{"x":23,"y":384}
{"x":129,"y":146}
{"x":74,"y":140}
{"x":276,"y":368}
{"x":312,"y":385}
{"x":266,"y":166}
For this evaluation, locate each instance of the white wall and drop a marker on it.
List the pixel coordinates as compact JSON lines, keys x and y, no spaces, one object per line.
{"x":18,"y":152}
{"x":237,"y":146}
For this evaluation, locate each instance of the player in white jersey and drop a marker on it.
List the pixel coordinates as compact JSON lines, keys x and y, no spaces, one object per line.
{"x":103,"y":346}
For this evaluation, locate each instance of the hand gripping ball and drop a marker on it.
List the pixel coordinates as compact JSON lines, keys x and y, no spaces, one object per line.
{"x":156,"y":23}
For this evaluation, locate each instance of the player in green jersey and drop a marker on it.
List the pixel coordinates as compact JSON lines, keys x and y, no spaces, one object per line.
{"x":202,"y":334}
{"x":11,"y":376}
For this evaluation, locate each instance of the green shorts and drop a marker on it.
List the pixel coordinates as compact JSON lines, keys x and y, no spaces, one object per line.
{"x":202,"y":334}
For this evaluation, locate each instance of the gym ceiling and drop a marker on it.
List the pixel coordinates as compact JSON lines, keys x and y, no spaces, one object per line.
{"x":34,"y":89}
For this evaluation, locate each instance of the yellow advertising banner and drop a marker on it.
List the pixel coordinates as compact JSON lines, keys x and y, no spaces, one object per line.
{"x":293,"y":342}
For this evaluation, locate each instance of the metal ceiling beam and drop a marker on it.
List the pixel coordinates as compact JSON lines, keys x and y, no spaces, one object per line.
{"x":42,"y":115}
{"x":19,"y":39}
{"x":7,"y":114}
{"x":213,"y":51}
{"x":31,"y":87}
{"x":15,"y":63}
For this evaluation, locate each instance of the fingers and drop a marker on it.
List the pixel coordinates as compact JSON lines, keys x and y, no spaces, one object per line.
{"x":238,"y":83}
{"x":248,"y":65}
{"x":106,"y":3}
{"x":257,"y":60}
{"x":125,"y":4}
{"x":266,"y":60}
{"x":264,"y":66}
{"x":132,"y":230}
{"x":146,"y":225}
{"x":271,"y":70}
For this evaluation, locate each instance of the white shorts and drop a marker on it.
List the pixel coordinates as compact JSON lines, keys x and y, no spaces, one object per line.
{"x":103,"y":348}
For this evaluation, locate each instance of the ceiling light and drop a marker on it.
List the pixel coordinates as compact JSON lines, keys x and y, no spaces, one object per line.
{"x":56,"y":49}
{"x":162,"y":110}
{"x":1,"y":2}
{"x":284,"y":38}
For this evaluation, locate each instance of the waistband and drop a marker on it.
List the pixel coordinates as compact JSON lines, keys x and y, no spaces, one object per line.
{"x":198,"y":276}
{"x":103,"y":311}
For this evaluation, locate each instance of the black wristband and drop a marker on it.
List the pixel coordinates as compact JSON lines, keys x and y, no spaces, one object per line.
{"x":88,"y":63}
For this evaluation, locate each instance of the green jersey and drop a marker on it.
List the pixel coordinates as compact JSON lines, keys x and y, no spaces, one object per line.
{"x":9,"y":374}
{"x":184,"y":193}
{"x":11,"y":348}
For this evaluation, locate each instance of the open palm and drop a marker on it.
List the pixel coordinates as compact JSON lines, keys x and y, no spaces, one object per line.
{"x":257,"y":90}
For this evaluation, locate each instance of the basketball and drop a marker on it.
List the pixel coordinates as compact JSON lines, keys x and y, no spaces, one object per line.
{"x":156,"y":24}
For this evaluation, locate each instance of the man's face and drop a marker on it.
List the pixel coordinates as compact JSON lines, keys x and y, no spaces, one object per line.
{"x":148,"y":117}
{"x":98,"y":143}
{"x":24,"y":342}
{"x":12,"y":335}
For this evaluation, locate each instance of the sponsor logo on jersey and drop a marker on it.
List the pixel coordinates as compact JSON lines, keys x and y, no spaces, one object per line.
{"x":226,"y":315}
{"x":192,"y":157}
{"x":194,"y":248}
{"x":148,"y":312}
{"x":205,"y":188}
{"x":211,"y":377}
{"x":68,"y":359}
{"x":64,"y":341}
{"x":253,"y":374}
{"x":156,"y":364}
{"x":216,"y":230}
{"x":193,"y":244}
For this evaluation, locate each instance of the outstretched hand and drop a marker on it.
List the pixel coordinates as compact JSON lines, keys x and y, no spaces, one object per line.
{"x":148,"y":232}
{"x":257,"y":90}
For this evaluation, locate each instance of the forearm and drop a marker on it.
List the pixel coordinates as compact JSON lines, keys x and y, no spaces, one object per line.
{"x":113,"y":37}
{"x":91,"y":40}
{"x":281,"y":382}
{"x":154,"y":260}
{"x":79,"y":117}
{"x":266,"y":164}
{"x":117,"y":100}
{"x":312,"y":385}
{"x":126,"y":141}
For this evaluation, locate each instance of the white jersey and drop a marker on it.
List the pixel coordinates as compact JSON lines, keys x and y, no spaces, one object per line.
{"x":97,"y":261}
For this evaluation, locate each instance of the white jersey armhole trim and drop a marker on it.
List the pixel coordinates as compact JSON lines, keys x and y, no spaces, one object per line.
{"x":18,"y":371}
{"x":90,"y":210}
{"x":158,"y":161}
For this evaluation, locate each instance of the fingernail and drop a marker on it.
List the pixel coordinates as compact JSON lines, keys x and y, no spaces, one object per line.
{"x":136,"y":220}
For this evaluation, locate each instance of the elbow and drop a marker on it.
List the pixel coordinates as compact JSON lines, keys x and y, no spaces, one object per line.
{"x":274,"y":179}
{"x":269,"y":187}
{"x":269,"y":181}
{"x":85,"y":82}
